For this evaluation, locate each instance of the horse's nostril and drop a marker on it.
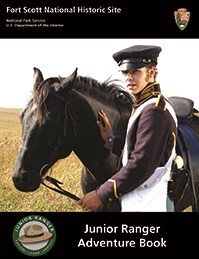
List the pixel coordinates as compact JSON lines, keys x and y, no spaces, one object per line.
{"x":20,"y":180}
{"x":17,"y":182}
{"x":23,"y":182}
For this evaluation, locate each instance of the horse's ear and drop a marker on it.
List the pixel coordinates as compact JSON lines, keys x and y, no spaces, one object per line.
{"x":37,"y":77}
{"x":73,"y":76}
{"x":69,"y":80}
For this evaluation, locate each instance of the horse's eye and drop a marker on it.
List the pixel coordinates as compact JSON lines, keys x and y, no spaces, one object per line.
{"x":21,"y":117}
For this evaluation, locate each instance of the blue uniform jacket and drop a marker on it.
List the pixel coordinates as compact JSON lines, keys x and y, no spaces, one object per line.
{"x":150,"y":143}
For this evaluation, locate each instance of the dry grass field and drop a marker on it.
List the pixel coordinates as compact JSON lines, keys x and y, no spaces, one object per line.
{"x":43,"y":200}
{"x":67,"y":171}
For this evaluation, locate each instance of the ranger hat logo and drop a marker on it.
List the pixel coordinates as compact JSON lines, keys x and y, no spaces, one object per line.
{"x":34,"y":235}
{"x":182,"y":18}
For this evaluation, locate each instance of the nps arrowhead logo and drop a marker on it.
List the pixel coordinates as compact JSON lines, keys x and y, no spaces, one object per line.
{"x":182,"y":18}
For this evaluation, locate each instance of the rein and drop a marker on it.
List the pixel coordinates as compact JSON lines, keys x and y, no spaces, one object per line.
{"x":59,"y":189}
{"x":56,"y":183}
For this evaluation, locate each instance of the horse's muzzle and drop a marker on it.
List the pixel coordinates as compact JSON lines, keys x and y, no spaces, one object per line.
{"x":24,"y":182}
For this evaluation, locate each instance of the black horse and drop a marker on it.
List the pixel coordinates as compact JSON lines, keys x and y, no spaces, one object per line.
{"x":60,"y":118}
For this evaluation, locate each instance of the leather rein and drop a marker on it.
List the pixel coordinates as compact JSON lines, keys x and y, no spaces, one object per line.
{"x":58,"y":188}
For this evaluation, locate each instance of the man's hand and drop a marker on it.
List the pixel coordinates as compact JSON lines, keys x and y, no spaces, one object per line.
{"x":106,"y":129}
{"x":90,"y":201}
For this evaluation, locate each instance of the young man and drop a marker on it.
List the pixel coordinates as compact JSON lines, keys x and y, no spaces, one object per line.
{"x":141,"y":183}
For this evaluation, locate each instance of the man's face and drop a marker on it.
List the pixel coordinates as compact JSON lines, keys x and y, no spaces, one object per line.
{"x":136,"y":80}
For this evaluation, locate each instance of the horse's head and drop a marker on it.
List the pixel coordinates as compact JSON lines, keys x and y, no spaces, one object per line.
{"x":45,"y":132}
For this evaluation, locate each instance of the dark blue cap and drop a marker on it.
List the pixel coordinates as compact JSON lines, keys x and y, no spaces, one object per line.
{"x":137,"y":56}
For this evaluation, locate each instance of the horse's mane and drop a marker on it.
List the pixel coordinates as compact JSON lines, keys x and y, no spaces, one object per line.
{"x":105,"y":91}
{"x":108,"y":92}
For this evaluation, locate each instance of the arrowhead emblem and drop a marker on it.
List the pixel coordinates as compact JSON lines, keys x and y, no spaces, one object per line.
{"x":182,"y":18}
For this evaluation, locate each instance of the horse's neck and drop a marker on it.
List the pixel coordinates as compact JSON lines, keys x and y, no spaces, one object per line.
{"x":88,"y":143}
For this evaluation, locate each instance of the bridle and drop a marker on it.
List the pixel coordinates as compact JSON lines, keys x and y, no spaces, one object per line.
{"x":56,"y":183}
{"x":49,"y":178}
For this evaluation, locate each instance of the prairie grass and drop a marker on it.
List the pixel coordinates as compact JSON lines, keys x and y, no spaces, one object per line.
{"x":67,"y":170}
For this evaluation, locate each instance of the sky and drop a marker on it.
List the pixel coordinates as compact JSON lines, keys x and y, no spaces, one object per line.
{"x":177,"y":64}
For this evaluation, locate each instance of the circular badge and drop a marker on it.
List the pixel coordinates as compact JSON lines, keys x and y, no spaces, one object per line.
{"x":34,"y":235}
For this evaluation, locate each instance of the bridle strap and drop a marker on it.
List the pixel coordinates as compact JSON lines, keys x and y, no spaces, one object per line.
{"x":59,"y":189}
{"x":49,"y":178}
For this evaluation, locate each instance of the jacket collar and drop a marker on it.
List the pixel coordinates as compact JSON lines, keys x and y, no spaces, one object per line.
{"x":151,"y":90}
